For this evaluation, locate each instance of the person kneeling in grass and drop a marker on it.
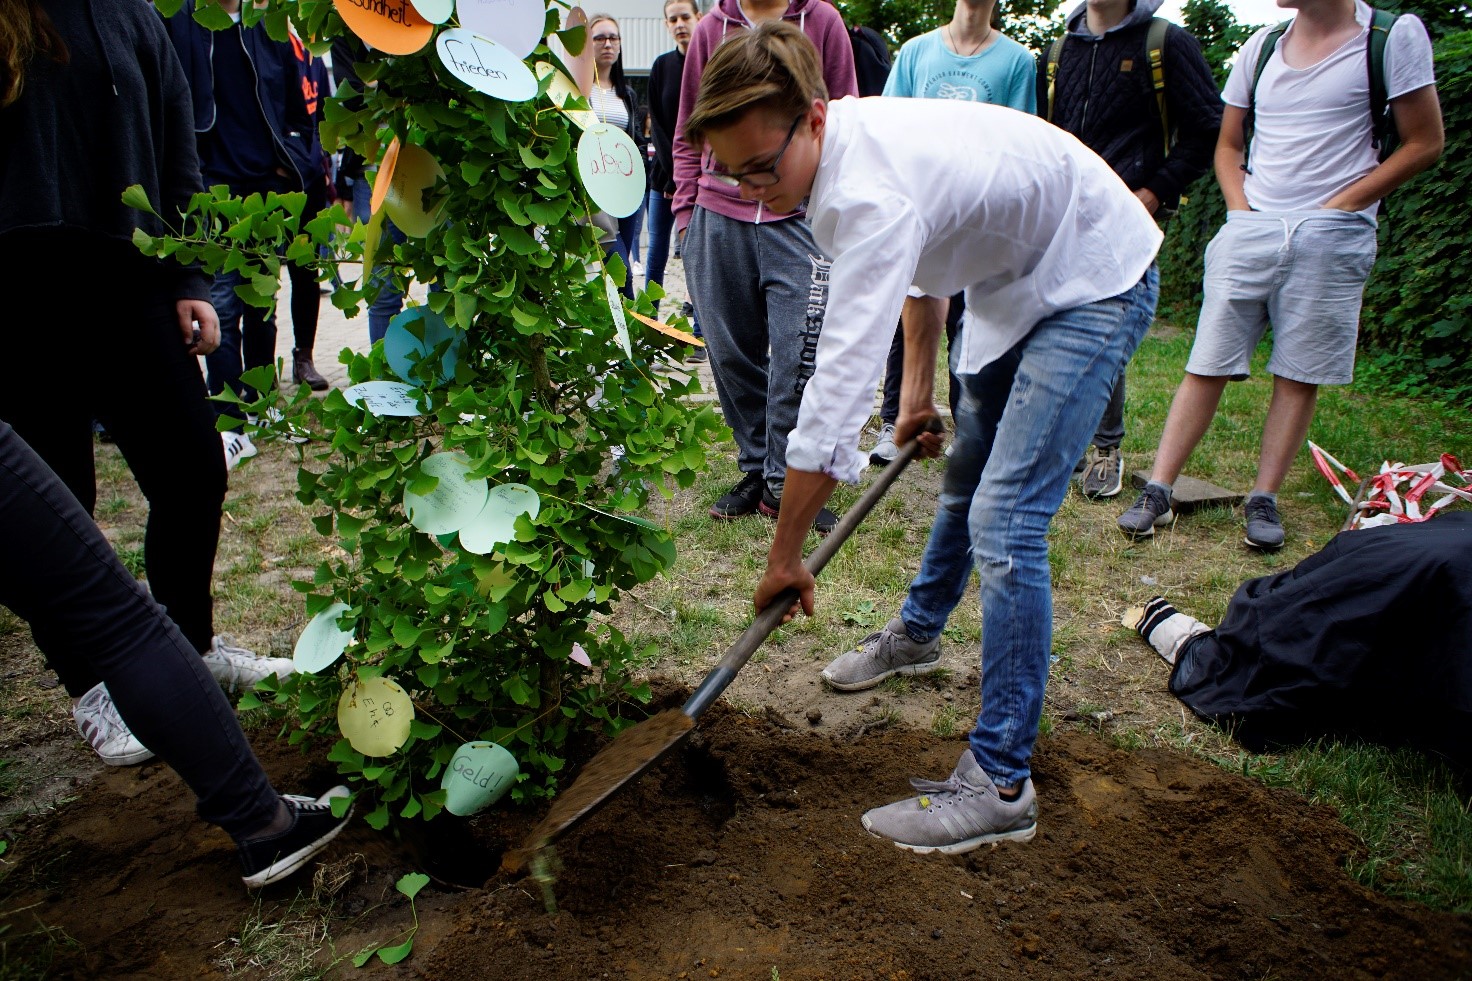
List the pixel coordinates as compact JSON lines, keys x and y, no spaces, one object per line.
{"x":1367,"y":638}
{"x":1056,"y":258}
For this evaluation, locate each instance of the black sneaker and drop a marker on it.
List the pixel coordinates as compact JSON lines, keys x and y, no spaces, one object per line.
{"x":823,"y":523}
{"x":740,"y":500}
{"x":271,"y":859}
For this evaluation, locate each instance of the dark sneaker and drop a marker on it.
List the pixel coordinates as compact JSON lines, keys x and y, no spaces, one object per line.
{"x":1103,"y":474}
{"x":742,"y":499}
{"x":882,"y":655}
{"x":697,"y":355}
{"x":771,"y":507}
{"x":273,"y":858}
{"x":1151,"y":510}
{"x":1264,"y":526}
{"x":957,"y":815}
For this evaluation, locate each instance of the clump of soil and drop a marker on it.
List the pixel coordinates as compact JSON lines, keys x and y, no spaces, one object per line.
{"x":742,"y":852}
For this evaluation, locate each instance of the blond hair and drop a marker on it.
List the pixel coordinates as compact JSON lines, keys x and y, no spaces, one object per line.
{"x":773,"y":67}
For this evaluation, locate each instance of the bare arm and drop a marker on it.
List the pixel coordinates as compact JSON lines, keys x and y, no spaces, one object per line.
{"x":1230,"y":156}
{"x":924,"y":320}
{"x":1418,"y":120}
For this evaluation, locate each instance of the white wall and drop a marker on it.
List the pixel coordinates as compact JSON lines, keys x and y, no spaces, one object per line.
{"x":641,"y":25}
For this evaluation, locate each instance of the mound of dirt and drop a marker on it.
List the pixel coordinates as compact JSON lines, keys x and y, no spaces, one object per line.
{"x":741,"y":856}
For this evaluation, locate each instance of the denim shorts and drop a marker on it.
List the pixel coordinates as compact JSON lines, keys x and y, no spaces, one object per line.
{"x":1304,"y":272}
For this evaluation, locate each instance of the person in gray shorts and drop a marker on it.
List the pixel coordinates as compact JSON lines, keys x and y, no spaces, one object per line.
{"x":1299,"y":240}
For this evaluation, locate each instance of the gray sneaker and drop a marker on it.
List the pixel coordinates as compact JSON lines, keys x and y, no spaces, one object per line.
{"x":1264,"y":525}
{"x":1151,"y":510}
{"x":956,"y":816}
{"x":882,"y":655}
{"x":884,"y":451}
{"x":1103,"y":473}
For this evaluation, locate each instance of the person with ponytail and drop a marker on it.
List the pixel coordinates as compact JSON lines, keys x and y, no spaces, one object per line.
{"x":1056,"y":258}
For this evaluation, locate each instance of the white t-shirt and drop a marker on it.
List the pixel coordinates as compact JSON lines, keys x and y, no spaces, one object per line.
{"x":1312,"y":136}
{"x":1010,"y":208}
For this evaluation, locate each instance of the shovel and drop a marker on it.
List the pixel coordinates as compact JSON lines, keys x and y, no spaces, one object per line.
{"x":638,"y":748}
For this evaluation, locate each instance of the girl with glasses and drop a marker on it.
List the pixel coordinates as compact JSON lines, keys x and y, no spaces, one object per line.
{"x":615,"y":103}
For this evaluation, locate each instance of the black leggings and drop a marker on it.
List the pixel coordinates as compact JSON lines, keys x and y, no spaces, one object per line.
{"x":122,"y":361}
{"x":89,"y":616}
{"x":306,"y":293}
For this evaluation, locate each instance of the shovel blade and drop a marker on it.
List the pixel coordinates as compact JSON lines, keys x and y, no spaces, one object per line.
{"x":634,"y":751}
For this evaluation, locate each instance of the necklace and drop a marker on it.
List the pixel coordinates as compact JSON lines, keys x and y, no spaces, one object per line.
{"x":979,"y":45}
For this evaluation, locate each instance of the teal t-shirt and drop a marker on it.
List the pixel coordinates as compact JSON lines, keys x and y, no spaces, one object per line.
{"x":1003,"y":74}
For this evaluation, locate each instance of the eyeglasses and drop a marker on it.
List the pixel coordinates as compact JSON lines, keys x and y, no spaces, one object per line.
{"x":606,"y":39}
{"x":761,"y":176}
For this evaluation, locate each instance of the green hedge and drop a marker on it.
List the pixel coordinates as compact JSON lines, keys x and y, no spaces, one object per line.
{"x":1416,"y":329}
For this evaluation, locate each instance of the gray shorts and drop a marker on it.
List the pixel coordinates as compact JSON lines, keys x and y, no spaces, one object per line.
{"x":1302,"y":271}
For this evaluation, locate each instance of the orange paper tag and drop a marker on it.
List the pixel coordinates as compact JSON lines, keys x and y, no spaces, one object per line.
{"x":667,"y":330}
{"x":391,"y":26}
{"x":385,"y":176}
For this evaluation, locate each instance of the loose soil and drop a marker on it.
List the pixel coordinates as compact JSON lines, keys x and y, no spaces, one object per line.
{"x":741,"y":856}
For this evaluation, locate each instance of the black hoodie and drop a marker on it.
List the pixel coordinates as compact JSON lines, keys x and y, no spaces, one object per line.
{"x":117,"y":114}
{"x":1104,"y":95}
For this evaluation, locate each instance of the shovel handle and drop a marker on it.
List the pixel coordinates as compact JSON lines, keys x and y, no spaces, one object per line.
{"x":770,"y":618}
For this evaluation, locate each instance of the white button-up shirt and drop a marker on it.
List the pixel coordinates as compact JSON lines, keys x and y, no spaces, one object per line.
{"x":936,"y":196}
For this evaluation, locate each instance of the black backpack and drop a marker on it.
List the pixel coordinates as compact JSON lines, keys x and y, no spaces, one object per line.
{"x":871,"y":59}
{"x":1383,"y":135}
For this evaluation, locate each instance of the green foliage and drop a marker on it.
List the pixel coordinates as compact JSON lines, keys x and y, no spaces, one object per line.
{"x":408,"y":885}
{"x":1417,"y":318}
{"x":542,"y":394}
{"x":1202,"y":209}
{"x":1215,"y":28}
{"x":1031,"y":23}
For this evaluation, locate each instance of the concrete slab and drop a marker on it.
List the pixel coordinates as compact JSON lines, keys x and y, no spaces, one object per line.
{"x":1190,"y":494}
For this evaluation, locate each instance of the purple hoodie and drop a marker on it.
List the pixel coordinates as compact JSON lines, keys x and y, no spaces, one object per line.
{"x":823,"y":25}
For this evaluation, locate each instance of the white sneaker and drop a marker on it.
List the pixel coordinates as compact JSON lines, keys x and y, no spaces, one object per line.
{"x":237,"y":447}
{"x":104,"y":729}
{"x":884,"y":451}
{"x":237,"y":669}
{"x":274,"y":421}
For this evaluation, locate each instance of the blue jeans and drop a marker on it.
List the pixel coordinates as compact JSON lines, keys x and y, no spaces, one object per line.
{"x":1024,"y":421}
{"x":390,"y":299}
{"x":661,"y":224}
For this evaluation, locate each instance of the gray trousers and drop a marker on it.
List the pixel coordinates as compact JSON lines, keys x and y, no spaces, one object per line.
{"x":761,"y":290}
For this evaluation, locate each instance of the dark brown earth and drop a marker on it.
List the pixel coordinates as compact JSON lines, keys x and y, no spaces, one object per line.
{"x":741,"y":856}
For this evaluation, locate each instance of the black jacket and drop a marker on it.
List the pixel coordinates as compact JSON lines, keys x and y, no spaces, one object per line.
{"x":1105,"y":96}
{"x":116,"y":114}
{"x":664,"y":108}
{"x":278,"y":88}
{"x":1367,"y":637}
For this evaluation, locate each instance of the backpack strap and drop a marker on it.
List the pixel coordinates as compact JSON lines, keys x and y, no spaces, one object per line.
{"x":1055,"y":51}
{"x":1383,"y":136}
{"x":1155,"y":52}
{"x":1269,"y":44}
